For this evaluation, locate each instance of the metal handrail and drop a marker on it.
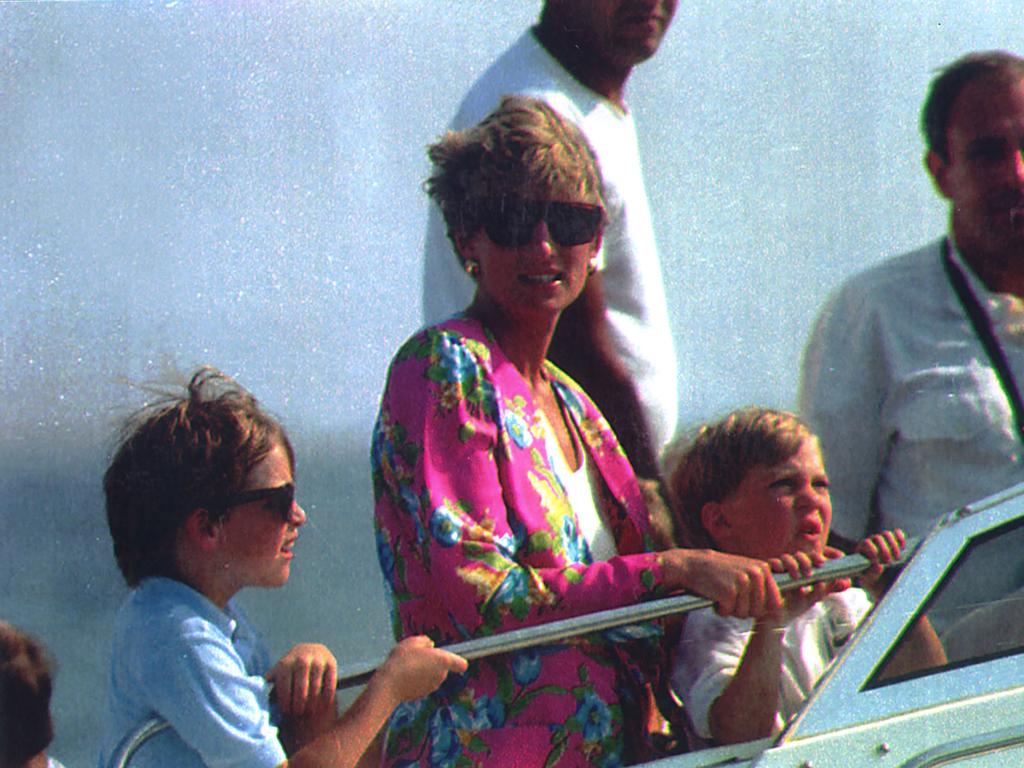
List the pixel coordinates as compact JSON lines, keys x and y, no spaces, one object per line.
{"x":554,"y":632}
{"x":134,"y":741}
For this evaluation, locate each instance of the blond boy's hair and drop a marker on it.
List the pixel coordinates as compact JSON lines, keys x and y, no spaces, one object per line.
{"x":712,"y":464}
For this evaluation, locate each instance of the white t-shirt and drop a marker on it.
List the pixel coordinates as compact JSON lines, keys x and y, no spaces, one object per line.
{"x":711,"y":648}
{"x":634,"y":292}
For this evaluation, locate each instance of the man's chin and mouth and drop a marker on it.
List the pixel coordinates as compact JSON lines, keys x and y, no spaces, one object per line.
{"x":1002,"y":239}
{"x":638,"y":48}
{"x":1016,"y":218}
{"x":638,"y":37}
{"x":1005,"y":213}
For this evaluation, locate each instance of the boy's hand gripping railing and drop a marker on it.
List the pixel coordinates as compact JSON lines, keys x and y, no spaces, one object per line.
{"x":556,"y":631}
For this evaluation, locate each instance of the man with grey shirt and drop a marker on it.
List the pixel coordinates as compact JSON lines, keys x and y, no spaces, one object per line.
{"x":912,"y":376}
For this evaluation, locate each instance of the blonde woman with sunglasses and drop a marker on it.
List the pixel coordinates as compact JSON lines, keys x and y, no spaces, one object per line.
{"x":503,"y":498}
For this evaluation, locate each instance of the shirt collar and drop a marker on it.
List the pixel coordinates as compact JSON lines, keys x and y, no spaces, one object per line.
{"x":164,"y":588}
{"x":1005,"y":310}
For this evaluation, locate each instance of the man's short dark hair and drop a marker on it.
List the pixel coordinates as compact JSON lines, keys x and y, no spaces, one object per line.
{"x":182,"y":453}
{"x":26,"y":684}
{"x":951,"y":80}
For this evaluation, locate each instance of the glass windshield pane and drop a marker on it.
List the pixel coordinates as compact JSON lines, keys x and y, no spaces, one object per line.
{"x":977,"y":611}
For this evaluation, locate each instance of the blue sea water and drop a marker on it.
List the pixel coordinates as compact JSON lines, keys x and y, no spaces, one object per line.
{"x":58,"y":579}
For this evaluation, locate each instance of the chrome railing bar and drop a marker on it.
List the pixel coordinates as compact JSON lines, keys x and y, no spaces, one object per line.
{"x":554,"y":632}
{"x":135,"y":740}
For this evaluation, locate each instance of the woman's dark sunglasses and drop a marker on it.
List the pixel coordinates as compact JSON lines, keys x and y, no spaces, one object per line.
{"x":280,"y":499}
{"x":511,"y":221}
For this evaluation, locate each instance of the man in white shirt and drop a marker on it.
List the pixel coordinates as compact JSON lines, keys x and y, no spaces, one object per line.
{"x":909,"y":376}
{"x":615,"y":340}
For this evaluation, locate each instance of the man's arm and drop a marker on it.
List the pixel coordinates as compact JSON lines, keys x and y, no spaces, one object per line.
{"x":582,"y":348}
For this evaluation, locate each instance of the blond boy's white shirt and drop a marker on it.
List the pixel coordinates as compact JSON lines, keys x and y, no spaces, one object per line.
{"x":711,"y":648}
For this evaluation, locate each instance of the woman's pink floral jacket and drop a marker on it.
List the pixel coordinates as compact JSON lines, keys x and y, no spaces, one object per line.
{"x":475,"y":536}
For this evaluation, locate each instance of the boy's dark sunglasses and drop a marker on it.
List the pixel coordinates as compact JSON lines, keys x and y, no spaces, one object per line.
{"x":511,"y":221}
{"x":280,"y":498}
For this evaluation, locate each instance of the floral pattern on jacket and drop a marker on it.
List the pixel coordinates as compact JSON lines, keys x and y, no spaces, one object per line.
{"x":475,"y":536}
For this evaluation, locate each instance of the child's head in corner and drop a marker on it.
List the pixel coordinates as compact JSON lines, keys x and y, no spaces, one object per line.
{"x":201,"y":490}
{"x":752,"y":484}
{"x":26,"y":685}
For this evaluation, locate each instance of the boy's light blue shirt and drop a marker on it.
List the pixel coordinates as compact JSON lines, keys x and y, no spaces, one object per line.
{"x":179,"y":657}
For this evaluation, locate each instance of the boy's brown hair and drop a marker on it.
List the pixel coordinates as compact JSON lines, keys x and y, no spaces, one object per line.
{"x":712,"y":464}
{"x":182,"y":453}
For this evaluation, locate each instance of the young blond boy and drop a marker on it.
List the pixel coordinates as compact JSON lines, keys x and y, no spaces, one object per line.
{"x":754,"y":484}
{"x":201,"y":503}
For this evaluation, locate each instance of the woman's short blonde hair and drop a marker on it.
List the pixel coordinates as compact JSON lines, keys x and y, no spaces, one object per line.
{"x":712,"y":464}
{"x":524,"y":147}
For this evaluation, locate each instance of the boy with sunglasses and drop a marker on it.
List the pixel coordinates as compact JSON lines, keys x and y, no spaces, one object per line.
{"x":200,"y":503}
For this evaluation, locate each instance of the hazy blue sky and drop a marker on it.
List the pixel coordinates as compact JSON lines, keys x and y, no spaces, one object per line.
{"x":239,"y":183}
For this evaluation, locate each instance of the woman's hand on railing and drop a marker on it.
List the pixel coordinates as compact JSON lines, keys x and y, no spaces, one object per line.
{"x":739,"y":586}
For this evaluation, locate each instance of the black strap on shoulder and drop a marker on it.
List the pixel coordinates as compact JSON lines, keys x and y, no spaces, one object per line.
{"x":986,"y":335}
